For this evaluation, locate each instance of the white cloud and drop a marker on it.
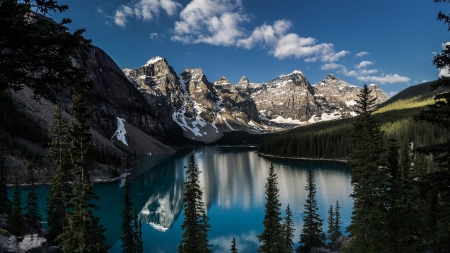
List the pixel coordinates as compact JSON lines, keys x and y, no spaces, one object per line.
{"x":100,"y":11}
{"x":312,"y":59}
{"x":444,"y":72}
{"x":367,"y":71}
{"x":292,"y":45}
{"x":383,"y":79}
{"x":215,"y":22}
{"x":331,"y":56}
{"x":170,"y":6}
{"x":266,"y":34}
{"x":361,"y":54}
{"x":145,"y":10}
{"x":364,"y":64}
{"x":120,"y":16}
{"x":352,"y":73}
{"x":154,"y":36}
{"x":220,"y":23}
{"x":328,"y":66}
{"x":424,"y":81}
{"x":367,"y":75}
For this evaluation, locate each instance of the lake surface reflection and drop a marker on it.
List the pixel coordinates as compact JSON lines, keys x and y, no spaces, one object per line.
{"x":233,"y":180}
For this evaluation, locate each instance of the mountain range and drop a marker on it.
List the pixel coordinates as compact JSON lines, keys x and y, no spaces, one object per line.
{"x":155,"y":104}
{"x":205,"y":110}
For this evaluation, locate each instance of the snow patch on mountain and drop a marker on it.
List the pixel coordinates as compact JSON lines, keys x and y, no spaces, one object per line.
{"x":280,"y":119}
{"x":224,"y":120}
{"x":120,"y":132}
{"x":153,"y":60}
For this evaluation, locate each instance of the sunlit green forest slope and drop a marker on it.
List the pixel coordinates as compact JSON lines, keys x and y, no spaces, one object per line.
{"x":331,"y":139}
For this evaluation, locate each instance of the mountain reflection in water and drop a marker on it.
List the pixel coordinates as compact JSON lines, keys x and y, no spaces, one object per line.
{"x":232,"y":179}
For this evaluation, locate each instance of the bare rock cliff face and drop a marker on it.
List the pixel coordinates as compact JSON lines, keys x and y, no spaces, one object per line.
{"x":235,"y":101}
{"x":204,"y":110}
{"x":112,"y":96}
{"x":160,"y":85}
{"x":287,"y":96}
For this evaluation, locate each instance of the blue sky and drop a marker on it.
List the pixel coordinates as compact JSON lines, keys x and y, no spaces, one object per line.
{"x":390,"y":43}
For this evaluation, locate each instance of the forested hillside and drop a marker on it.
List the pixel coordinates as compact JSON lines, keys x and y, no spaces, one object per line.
{"x":330,"y":140}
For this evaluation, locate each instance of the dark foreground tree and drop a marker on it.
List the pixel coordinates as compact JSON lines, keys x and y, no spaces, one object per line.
{"x":233,"y":246}
{"x":59,"y":173}
{"x":127,"y":218}
{"x":399,"y":217}
{"x":43,"y":60}
{"x":84,"y":233}
{"x":272,"y":238}
{"x":312,"y":234}
{"x":195,"y":224}
{"x":16,"y":219}
{"x":3,"y":180}
{"x":365,"y":158}
{"x":32,"y":208}
{"x":337,"y":223}
{"x":330,"y":222}
{"x":137,"y":234}
{"x":289,"y":229}
{"x":435,"y":186}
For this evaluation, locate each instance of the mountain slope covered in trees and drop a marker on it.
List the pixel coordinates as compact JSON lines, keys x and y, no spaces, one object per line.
{"x":330,"y":140}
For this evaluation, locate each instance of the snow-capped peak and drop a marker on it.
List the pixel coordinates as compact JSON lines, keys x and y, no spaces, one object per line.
{"x":297,"y":72}
{"x":223,"y":80}
{"x":153,"y":60}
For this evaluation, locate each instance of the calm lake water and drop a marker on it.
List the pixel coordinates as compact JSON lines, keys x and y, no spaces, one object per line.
{"x":233,"y":180}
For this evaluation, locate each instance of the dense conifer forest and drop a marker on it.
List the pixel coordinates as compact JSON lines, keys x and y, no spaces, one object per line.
{"x":330,"y":140}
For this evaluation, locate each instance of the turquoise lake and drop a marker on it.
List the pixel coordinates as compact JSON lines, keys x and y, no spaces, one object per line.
{"x":233,"y":180}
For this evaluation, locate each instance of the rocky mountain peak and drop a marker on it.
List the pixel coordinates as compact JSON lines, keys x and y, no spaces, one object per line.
{"x":297,"y":72}
{"x":126,"y":71}
{"x":331,"y":80}
{"x":194,"y":74}
{"x":296,"y":78}
{"x":244,"y":81}
{"x":330,"y":77}
{"x":222,"y":81}
{"x":153,"y":60}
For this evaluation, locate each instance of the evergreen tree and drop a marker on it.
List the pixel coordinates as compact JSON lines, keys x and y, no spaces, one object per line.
{"x":34,"y":62}
{"x":80,"y":138}
{"x":32,"y":208}
{"x":16,"y":219}
{"x":436,"y":185}
{"x":289,"y":229}
{"x":127,"y":217}
{"x":399,"y":213}
{"x":337,"y":223}
{"x":365,"y":158}
{"x":59,"y":173}
{"x":330,"y":222}
{"x":195,"y":224}
{"x":137,"y":234}
{"x":272,"y":237}
{"x":3,"y":180}
{"x":83,"y":233}
{"x":233,"y":246}
{"x":312,"y":234}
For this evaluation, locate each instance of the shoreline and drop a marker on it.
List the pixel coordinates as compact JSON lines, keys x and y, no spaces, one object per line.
{"x":302,"y":158}
{"x":95,"y":181}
